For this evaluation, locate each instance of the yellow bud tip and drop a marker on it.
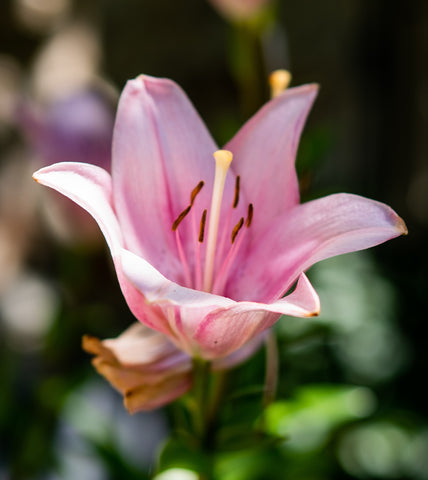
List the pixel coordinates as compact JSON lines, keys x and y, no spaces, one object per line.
{"x":279,"y":80}
{"x":223,"y":159}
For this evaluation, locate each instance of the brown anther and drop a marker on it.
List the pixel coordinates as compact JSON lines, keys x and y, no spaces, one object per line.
{"x":236,"y":229}
{"x":180,"y":218}
{"x":236,"y":197}
{"x":202,"y":226}
{"x":195,"y":191}
{"x":249,"y":215}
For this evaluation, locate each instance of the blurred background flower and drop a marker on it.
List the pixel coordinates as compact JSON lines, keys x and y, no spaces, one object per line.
{"x":240,"y":10}
{"x":366,"y":135}
{"x":75,"y":127}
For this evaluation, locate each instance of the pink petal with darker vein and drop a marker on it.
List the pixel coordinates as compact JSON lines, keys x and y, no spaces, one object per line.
{"x":161,"y":151}
{"x":265,"y":152}
{"x":309,"y":233}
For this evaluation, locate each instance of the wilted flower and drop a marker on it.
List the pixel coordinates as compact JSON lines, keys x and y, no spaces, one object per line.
{"x":143,"y":365}
{"x":147,"y":368}
{"x":204,"y":253}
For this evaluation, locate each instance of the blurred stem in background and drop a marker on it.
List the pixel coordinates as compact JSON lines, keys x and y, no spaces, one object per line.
{"x":251,"y":57}
{"x":272,"y":369}
{"x":248,"y":67}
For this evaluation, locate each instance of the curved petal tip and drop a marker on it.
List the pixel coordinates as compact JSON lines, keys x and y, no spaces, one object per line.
{"x":401,"y":226}
{"x":38,"y":174}
{"x":312,"y":300}
{"x":143,"y":81}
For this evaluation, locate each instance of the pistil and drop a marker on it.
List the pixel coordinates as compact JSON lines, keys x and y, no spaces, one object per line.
{"x":223,"y":158}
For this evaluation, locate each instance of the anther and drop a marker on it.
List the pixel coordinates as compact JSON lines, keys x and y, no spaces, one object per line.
{"x":202,"y":226}
{"x":236,"y":229}
{"x":236,"y":197}
{"x":195,"y":192}
{"x":180,"y":218}
{"x":279,"y":81}
{"x":249,"y":215}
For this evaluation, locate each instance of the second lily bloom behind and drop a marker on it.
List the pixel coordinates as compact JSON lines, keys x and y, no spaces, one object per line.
{"x":205,"y":249}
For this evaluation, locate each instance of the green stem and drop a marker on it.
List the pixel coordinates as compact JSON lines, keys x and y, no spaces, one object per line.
{"x":202,"y":413}
{"x":248,"y":68}
{"x":201,"y":390}
{"x":272,"y":367}
{"x":219,"y":385}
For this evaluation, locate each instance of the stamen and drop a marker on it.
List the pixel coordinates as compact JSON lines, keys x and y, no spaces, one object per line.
{"x":223,"y":158}
{"x":249,"y":215}
{"x":224,"y":234}
{"x":236,"y":229}
{"x":180,"y":218}
{"x":236,"y":198}
{"x":223,"y":272}
{"x":182,"y":256}
{"x":195,"y":192}
{"x":279,"y":80}
{"x":202,"y":226}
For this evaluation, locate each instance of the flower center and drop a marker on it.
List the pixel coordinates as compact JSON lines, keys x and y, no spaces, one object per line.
{"x":212,"y":276}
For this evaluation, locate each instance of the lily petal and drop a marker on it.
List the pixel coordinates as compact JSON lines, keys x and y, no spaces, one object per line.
{"x":311,"y":232}
{"x":143,"y":365}
{"x":161,"y":151}
{"x":209,"y":325}
{"x":90,"y":187}
{"x":265,"y":151}
{"x":224,"y":331}
{"x":182,"y":308}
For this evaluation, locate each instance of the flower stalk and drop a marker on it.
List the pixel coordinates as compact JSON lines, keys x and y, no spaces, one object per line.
{"x":272,"y":368}
{"x":201,"y":394}
{"x":248,"y":67}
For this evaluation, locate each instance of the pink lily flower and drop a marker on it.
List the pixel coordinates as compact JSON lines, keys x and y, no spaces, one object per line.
{"x":206,"y":250}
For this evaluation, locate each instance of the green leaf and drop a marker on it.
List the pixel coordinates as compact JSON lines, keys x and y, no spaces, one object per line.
{"x":251,"y":464}
{"x":315,"y":412}
{"x":178,"y":454}
{"x":240,"y":437}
